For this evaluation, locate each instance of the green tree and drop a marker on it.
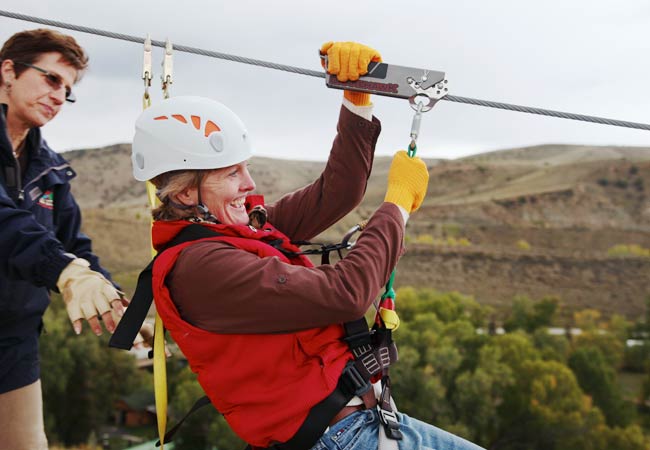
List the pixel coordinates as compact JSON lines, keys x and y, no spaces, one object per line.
{"x":551,"y":347}
{"x":611,"y":347}
{"x":598,"y":379}
{"x":628,"y":438}
{"x":479,"y":394}
{"x":82,"y":378}
{"x":529,"y":316}
{"x":206,"y":429}
{"x":545,"y":409}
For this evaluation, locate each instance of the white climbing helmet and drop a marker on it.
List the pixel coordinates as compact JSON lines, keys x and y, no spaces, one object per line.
{"x":187,"y":133}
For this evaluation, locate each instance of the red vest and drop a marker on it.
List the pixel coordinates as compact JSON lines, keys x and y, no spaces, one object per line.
{"x":264,"y":384}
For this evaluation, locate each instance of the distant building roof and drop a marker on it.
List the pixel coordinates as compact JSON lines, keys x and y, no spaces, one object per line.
{"x":139,"y":400}
{"x":151,"y":445}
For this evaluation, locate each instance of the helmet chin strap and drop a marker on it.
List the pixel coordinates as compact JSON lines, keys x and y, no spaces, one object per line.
{"x":207,"y":216}
{"x":205,"y":212}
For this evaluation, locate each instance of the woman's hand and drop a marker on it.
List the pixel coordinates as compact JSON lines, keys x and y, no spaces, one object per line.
{"x":408,"y":179}
{"x":87,"y":294}
{"x":348,"y":61}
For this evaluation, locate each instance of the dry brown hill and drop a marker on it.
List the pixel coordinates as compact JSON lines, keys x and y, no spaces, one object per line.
{"x":535,"y":221}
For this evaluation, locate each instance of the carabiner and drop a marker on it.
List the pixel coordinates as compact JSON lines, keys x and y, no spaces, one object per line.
{"x":433,"y":94}
{"x":415,"y":129}
{"x":168,"y":68}
{"x":147,"y":73}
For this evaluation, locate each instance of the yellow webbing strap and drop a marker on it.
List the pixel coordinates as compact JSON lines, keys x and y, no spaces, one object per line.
{"x":160,"y":379}
{"x":159,"y":361}
{"x":159,"y":357}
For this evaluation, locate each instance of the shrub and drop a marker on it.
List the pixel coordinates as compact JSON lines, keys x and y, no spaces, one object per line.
{"x":425,"y":239}
{"x":621,"y":184}
{"x":631,"y":250}
{"x":638,"y":184}
{"x":523,"y":245}
{"x":451,"y":229}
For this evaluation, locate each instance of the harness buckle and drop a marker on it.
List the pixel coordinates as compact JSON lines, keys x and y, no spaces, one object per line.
{"x":391,"y":424}
{"x":354,"y":381}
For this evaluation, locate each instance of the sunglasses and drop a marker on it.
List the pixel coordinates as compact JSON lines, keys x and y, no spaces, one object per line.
{"x":53,"y":80}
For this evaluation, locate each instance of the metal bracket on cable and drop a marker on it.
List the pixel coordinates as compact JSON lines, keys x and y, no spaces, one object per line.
{"x":168,"y":68}
{"x":422,"y":87}
{"x":393,"y":81}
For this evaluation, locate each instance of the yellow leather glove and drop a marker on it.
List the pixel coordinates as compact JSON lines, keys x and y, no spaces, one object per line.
{"x":87,"y":294}
{"x":408,"y":179}
{"x":349,"y":60}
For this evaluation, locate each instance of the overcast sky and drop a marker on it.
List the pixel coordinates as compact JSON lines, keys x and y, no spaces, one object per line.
{"x":587,"y":56}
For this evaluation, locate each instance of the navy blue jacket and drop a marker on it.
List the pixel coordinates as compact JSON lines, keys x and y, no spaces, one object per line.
{"x":39,"y":229}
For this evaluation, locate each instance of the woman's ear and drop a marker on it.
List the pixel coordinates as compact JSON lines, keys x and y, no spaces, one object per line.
{"x":187,"y":197}
{"x":7,"y":70}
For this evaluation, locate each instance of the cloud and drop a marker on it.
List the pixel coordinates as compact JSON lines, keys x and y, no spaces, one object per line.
{"x":573,"y":56}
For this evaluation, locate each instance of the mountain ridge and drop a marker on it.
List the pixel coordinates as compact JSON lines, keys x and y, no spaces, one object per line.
{"x":528,"y":212}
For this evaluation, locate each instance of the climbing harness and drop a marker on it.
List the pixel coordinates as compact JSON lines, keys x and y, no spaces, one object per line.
{"x":319,"y":74}
{"x":373,"y":349}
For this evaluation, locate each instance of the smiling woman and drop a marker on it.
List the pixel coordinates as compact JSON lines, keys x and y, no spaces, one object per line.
{"x":279,"y":346}
{"x":41,"y":245}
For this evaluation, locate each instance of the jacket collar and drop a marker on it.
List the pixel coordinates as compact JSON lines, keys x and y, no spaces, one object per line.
{"x":33,"y":141}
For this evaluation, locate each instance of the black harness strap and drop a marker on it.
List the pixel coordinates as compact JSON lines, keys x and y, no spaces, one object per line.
{"x":138,"y":309}
{"x":200,"y":403}
{"x":350,"y":383}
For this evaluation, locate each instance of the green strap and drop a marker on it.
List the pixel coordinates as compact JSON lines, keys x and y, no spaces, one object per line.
{"x":390,"y":292}
{"x":412,"y":148}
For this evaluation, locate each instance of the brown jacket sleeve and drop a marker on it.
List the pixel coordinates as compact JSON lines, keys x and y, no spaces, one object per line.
{"x":227,"y":290}
{"x":309,"y":211}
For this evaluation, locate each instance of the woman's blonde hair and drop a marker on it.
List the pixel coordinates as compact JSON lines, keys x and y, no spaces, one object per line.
{"x":170,"y":184}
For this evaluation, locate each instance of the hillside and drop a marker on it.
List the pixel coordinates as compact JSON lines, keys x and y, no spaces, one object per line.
{"x":535,"y":221}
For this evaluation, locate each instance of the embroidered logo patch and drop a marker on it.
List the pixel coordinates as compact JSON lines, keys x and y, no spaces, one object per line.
{"x":47,"y":200}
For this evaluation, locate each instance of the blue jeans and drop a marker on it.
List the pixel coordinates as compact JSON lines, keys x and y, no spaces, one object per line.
{"x":360,"y":431}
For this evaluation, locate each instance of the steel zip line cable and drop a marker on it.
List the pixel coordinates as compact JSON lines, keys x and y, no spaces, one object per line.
{"x":318,"y":74}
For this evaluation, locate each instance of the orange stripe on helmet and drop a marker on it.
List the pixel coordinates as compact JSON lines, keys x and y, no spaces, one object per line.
{"x":211,"y":127}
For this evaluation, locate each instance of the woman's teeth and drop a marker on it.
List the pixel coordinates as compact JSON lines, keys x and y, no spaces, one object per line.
{"x":238,"y":203}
